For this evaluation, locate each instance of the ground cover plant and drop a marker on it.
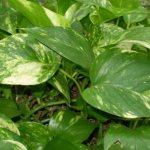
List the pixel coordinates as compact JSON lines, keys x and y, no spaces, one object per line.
{"x":74,"y":75}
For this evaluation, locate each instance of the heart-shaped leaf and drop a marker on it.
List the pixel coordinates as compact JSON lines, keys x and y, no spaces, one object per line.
{"x":24,"y":61}
{"x":68,"y":125}
{"x":118,"y":80}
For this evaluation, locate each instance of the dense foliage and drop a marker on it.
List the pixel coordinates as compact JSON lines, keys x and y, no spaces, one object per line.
{"x":74,"y":74}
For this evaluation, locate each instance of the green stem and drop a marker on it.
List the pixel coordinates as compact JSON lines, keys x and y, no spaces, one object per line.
{"x":43,"y":106}
{"x":135,"y":124}
{"x":67,"y":75}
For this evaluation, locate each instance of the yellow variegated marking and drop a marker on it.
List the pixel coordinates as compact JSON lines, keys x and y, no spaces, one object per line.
{"x":24,"y":74}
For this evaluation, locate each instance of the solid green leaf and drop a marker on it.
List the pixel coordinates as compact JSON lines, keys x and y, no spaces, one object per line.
{"x":25,"y":61}
{"x":118,"y":80}
{"x":127,"y":139}
{"x":126,"y":4}
{"x":9,"y":108}
{"x":11,"y":145}
{"x":65,"y":42}
{"x":68,"y":125}
{"x":35,"y":135}
{"x":58,"y":143}
{"x":7,"y":123}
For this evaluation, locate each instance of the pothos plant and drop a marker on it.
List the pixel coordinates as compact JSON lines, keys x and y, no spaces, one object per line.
{"x":86,"y":65}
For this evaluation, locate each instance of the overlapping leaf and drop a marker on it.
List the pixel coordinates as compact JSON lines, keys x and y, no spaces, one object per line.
{"x":43,"y":18}
{"x":24,"y":61}
{"x":58,"y":143}
{"x":118,"y":79}
{"x":68,"y":125}
{"x":6,"y":123}
{"x":65,"y":42}
{"x":115,"y":35}
{"x":35,"y":135}
{"x":127,"y":139}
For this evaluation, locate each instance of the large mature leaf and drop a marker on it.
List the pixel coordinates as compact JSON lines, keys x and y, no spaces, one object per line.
{"x":35,"y":135}
{"x":126,"y":138}
{"x":58,"y":143}
{"x":118,"y":79}
{"x":43,"y":18}
{"x":68,"y":125}
{"x":9,"y":108}
{"x":65,"y":42}
{"x":5,"y":122}
{"x":24,"y":61}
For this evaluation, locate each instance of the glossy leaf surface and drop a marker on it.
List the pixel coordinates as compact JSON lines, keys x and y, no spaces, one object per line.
{"x":69,"y":126}
{"x":65,"y":42}
{"x":118,"y":80}
{"x":25,"y":61}
{"x":127,"y":139}
{"x":7,"y":123}
{"x":58,"y":143}
{"x":35,"y":135}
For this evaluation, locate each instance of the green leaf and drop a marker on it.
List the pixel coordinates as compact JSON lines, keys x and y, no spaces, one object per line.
{"x":9,"y":108}
{"x":6,"y":134}
{"x":118,"y":80}
{"x":127,"y":139}
{"x":133,"y":18}
{"x":24,"y":61}
{"x":115,"y":35}
{"x":58,"y":143}
{"x":65,"y":42}
{"x":29,"y":10}
{"x":127,"y":4}
{"x":8,"y":20}
{"x":11,"y":145}
{"x":7,"y":123}
{"x":61,"y":84}
{"x":138,"y":35}
{"x":68,"y":125}
{"x":111,"y":34}
{"x":43,"y":18}
{"x":35,"y":135}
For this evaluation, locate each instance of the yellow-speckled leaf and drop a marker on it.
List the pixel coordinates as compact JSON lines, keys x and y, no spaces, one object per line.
{"x":24,"y":61}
